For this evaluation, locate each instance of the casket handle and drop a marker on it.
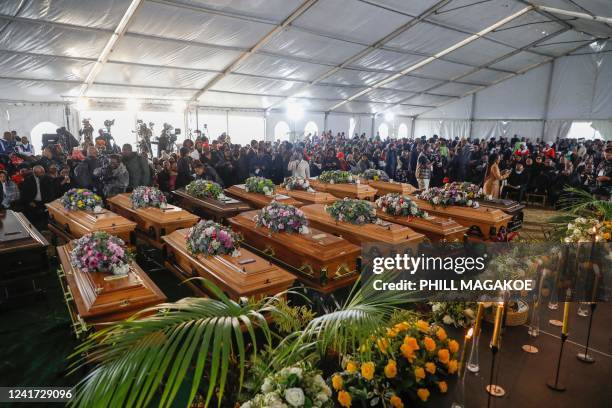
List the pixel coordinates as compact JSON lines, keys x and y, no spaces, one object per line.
{"x":68,"y":294}
{"x":124,"y":303}
{"x":269,"y":251}
{"x":67,"y":228}
{"x":342,"y":271}
{"x":79,"y":326}
{"x":306,"y":269}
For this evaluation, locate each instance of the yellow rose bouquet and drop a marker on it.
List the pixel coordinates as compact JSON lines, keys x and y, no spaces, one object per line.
{"x":403,"y":363}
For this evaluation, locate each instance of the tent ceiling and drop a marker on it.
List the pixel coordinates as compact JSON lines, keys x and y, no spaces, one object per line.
{"x":357,"y":56}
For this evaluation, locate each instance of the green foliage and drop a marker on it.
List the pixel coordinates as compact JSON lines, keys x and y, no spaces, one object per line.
{"x":291,"y":319}
{"x":194,"y":338}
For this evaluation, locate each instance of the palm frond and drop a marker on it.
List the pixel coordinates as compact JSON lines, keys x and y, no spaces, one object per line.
{"x":181,"y":341}
{"x":578,"y":202}
{"x":361,"y":316}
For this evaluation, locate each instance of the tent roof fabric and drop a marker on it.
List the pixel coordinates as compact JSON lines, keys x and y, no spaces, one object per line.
{"x":357,"y":56}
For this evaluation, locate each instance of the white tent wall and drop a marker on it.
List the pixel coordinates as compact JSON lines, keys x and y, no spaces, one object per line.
{"x":448,"y":128}
{"x":24,"y":117}
{"x":297,"y":126}
{"x":580,"y":90}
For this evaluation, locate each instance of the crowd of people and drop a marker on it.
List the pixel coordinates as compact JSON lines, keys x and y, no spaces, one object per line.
{"x":503,"y":166}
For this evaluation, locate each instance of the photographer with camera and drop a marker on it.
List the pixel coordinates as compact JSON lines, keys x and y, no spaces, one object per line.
{"x":113,"y":177}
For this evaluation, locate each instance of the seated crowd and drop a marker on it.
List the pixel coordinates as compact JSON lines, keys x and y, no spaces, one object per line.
{"x":504,"y":167}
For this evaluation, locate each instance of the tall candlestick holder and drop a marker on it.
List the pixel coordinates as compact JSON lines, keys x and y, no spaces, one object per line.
{"x":494,"y":390}
{"x":459,"y":400}
{"x":554,"y":384}
{"x":534,"y":321}
{"x":553,"y":302}
{"x":473,"y":364}
{"x":586,"y":357}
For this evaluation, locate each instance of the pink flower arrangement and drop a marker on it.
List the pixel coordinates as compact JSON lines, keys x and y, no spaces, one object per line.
{"x":282,"y":218}
{"x":100,"y":252}
{"x":210,"y":238}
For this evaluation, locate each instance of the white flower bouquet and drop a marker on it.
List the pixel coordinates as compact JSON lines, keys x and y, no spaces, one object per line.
{"x":298,"y":386}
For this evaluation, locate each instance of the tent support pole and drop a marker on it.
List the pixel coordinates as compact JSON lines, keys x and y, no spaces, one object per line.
{"x":551,"y":73}
{"x":472,"y":109}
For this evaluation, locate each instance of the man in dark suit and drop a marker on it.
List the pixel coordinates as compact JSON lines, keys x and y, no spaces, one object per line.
{"x":37,"y":189}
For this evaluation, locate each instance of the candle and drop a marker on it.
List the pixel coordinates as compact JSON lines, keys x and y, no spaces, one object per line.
{"x":565,"y":318}
{"x":478,"y":322}
{"x":468,"y":336}
{"x":498,"y":323}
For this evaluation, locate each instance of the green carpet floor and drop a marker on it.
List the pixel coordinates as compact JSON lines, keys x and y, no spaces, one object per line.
{"x":36,"y":338}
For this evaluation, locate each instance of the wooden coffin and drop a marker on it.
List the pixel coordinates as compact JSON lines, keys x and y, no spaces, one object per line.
{"x":359,"y":234}
{"x":433,"y":227}
{"x":259,"y":200}
{"x":320,"y":260}
{"x":244,"y":275}
{"x":95,"y":298}
{"x":510,"y":207}
{"x":388,"y":187}
{"x":308,"y":197}
{"x":23,"y":255}
{"x":342,"y":190}
{"x":70,"y":225}
{"x":209,"y":208}
{"x":152,"y":223}
{"x":483,"y":222}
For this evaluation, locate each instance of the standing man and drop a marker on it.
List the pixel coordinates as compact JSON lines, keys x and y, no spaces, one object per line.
{"x":137,"y":167}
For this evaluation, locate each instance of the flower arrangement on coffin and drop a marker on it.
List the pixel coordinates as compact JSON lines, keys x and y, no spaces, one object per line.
{"x":81,"y":199}
{"x":400,"y":205}
{"x":209,"y":238}
{"x":297,"y":183}
{"x":336,"y":177}
{"x":588,"y":230}
{"x":407,"y":362}
{"x":374,"y":174}
{"x":204,"y":189}
{"x":295,"y":386}
{"x":470,"y":190}
{"x":101,"y":252}
{"x":259,"y":185}
{"x":445,"y":197}
{"x":282,"y":218}
{"x":457,"y":314}
{"x":354,"y":211}
{"x":145,"y":196}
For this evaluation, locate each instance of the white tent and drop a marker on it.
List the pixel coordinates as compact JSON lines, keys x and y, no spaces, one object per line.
{"x":452,"y":67}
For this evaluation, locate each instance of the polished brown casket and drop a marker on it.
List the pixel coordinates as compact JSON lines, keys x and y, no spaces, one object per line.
{"x":23,"y":255}
{"x":389,"y":233}
{"x":209,"y":208}
{"x":510,"y":207}
{"x":95,"y":298}
{"x":256,"y":200}
{"x":152,"y":222}
{"x":358,"y":191}
{"x":483,"y":222}
{"x":433,"y":227}
{"x":308,"y":197}
{"x":320,"y":260}
{"x":70,"y":225}
{"x":389,"y":187}
{"x":245,"y":275}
